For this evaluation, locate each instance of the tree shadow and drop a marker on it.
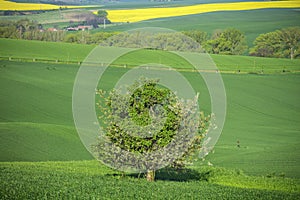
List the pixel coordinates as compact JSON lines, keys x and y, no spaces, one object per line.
{"x":178,"y":175}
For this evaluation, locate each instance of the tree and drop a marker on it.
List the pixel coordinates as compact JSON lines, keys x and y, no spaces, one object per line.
{"x":267,"y":45}
{"x":102,"y":13}
{"x":129,"y":124}
{"x":72,"y":38}
{"x":284,"y":43}
{"x":199,"y":36}
{"x":290,"y":41}
{"x":230,"y":41}
{"x":171,"y":41}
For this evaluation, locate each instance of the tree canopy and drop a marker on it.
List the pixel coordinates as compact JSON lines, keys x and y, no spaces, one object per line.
{"x":230,"y":41}
{"x":102,"y":13}
{"x":284,"y":43}
{"x":146,"y":120}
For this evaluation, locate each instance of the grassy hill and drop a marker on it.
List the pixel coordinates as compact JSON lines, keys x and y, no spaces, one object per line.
{"x":262,"y":113}
{"x":27,"y":50}
{"x":36,"y":113}
{"x":42,"y":156}
{"x":43,"y":50}
{"x":36,"y":124}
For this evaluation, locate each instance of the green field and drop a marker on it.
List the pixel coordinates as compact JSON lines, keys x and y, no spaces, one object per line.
{"x":43,"y":50}
{"x":27,"y":50}
{"x":252,"y":23}
{"x":36,"y":124}
{"x":42,"y":156}
{"x":262,"y":114}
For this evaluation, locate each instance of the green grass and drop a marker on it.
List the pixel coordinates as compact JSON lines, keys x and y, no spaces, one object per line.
{"x":262,"y":112}
{"x":223,"y":62}
{"x":89,"y":180}
{"x":27,"y":141}
{"x":75,"y":52}
{"x":36,"y":122}
{"x":36,"y":113}
{"x":43,"y":50}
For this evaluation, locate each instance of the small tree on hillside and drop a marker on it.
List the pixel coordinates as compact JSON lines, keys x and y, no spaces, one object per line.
{"x":147,"y":119}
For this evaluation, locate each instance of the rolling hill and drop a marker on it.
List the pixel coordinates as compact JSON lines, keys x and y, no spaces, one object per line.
{"x":262,"y":114}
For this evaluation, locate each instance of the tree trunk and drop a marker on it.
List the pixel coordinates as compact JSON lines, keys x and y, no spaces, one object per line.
{"x":292,"y":53}
{"x":150,"y":175}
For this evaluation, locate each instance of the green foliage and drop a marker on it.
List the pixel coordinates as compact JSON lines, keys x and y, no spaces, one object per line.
{"x":87,"y":38}
{"x":171,"y":41}
{"x":284,"y":43}
{"x":141,"y":101}
{"x":147,"y":119}
{"x":267,"y":45}
{"x":30,"y":30}
{"x":230,"y":42}
{"x":199,"y":36}
{"x":290,"y":39}
{"x":102,"y":13}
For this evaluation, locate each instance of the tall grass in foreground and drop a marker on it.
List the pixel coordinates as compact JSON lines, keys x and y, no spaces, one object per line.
{"x":89,"y":180}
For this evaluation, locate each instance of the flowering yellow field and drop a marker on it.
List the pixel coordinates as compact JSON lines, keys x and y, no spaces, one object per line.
{"x":9,"y":5}
{"x":136,"y":15}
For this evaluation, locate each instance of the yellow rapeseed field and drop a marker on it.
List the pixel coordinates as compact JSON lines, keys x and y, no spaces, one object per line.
{"x":9,"y":5}
{"x":135,"y":15}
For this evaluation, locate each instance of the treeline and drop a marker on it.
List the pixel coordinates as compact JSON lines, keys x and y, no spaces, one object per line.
{"x":29,"y":30}
{"x":172,"y":41}
{"x":284,"y":43}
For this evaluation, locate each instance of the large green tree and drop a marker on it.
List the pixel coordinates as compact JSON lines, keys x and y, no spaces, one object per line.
{"x":290,"y":41}
{"x":145,"y":120}
{"x":284,"y":43}
{"x":230,"y":42}
{"x":267,"y":45}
